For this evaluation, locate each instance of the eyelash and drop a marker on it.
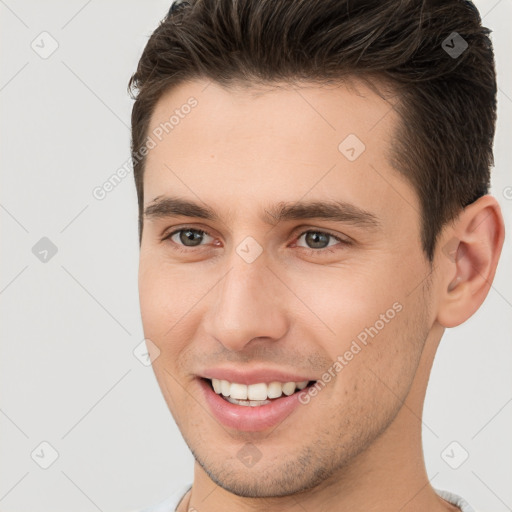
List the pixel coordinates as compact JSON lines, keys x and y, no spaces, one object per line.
{"x":309,"y":251}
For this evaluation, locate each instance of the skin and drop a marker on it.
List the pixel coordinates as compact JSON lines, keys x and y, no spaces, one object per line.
{"x":357,"y":445}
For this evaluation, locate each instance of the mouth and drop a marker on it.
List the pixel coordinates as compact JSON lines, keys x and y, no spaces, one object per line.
{"x":255,"y":399}
{"x":258,"y":394}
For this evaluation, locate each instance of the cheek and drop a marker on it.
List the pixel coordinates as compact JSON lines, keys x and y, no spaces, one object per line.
{"x":161,"y":311}
{"x":350,"y":303}
{"x":379,"y":367}
{"x":166,"y":294}
{"x":172,"y":300}
{"x":373,"y":329}
{"x":153,"y":299}
{"x":162,"y":306}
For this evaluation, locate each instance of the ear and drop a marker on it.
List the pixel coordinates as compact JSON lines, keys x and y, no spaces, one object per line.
{"x":468,"y":255}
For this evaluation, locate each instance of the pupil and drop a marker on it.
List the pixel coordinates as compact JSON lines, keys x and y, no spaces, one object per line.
{"x":313,"y":239}
{"x":190,"y":235}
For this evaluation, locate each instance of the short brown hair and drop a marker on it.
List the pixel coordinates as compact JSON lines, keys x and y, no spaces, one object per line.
{"x":447,"y":97}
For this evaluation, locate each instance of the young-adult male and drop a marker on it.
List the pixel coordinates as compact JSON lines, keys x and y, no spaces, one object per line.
{"x":312,"y":178}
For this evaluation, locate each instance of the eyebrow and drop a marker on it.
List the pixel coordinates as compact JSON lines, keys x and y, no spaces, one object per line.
{"x":338,"y":211}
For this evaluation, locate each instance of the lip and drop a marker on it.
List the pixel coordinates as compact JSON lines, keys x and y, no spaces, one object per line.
{"x":253,"y":376}
{"x":247,"y":418}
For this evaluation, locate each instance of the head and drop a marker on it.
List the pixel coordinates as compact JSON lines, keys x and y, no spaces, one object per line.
{"x":338,"y":154}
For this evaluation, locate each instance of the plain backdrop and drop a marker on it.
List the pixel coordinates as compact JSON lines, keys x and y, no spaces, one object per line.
{"x":74,"y":396}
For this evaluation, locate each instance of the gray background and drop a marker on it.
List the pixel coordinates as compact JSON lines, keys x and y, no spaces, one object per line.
{"x":68,"y":373}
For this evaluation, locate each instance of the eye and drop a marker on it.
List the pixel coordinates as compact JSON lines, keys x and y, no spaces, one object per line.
{"x":187,"y":237}
{"x":318,"y":241}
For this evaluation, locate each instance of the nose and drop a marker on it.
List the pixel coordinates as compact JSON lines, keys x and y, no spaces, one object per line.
{"x":247,"y":304}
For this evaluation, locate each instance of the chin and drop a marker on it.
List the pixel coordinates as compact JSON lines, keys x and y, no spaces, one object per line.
{"x":270,"y":480}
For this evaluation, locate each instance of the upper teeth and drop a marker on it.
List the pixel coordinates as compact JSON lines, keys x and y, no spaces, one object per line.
{"x":260,"y":391}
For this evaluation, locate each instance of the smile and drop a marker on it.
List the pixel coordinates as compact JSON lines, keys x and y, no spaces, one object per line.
{"x":255,"y":394}
{"x":265,"y":406}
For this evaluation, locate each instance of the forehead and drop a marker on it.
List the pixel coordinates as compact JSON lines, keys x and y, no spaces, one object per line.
{"x":283,"y":112}
{"x":284,"y":142}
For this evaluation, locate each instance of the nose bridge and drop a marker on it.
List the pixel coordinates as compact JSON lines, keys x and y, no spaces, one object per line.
{"x":246,"y":302}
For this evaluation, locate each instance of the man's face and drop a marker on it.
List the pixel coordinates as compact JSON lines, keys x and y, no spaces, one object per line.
{"x":287,"y":296}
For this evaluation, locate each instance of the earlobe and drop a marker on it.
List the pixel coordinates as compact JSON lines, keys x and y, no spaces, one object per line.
{"x":469,"y":260}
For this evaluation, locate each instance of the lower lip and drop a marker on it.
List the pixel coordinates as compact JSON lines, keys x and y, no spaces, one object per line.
{"x":246,"y":417}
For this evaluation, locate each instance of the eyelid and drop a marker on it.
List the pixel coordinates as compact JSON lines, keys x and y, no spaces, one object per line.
{"x":167,"y":233}
{"x":339,"y":236}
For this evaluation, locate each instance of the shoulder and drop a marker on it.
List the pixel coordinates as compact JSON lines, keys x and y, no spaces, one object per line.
{"x":171,"y":502}
{"x":456,"y":500}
